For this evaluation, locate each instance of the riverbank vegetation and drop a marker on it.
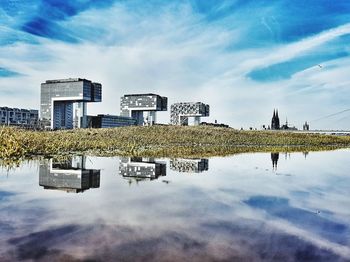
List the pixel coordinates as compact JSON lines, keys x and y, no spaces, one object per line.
{"x":159,"y":141}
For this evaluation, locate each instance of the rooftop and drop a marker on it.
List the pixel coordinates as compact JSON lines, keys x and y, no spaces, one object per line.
{"x":66,"y":80}
{"x":147,"y":94}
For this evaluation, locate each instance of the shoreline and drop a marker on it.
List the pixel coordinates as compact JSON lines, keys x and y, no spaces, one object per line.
{"x":160,"y":141}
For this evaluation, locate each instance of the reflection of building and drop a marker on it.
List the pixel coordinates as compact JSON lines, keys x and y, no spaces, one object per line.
{"x":189,"y":165}
{"x":63,"y":102}
{"x":180,"y":112}
{"x":19,"y":117}
{"x":70,"y":176}
{"x":143,"y":107}
{"x":106,"y":121}
{"x":141,"y":168}
{"x":274,"y":158}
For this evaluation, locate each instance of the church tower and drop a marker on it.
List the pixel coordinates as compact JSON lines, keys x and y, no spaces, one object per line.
{"x":275,"y":122}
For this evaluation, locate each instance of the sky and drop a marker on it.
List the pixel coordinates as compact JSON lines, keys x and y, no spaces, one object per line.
{"x":242,"y":57}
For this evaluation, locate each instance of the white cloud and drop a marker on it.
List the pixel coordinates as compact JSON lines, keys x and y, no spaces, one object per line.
{"x":177,"y":54}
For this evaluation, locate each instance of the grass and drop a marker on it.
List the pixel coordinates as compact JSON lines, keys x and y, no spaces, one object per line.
{"x":159,"y":141}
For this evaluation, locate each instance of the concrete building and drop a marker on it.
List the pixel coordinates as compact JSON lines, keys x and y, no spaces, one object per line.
{"x":180,"y":112}
{"x":63,"y":102}
{"x":19,"y":117}
{"x":189,"y":165}
{"x":143,"y":107}
{"x":141,"y":168}
{"x":69,"y":176}
{"x":108,"y":121}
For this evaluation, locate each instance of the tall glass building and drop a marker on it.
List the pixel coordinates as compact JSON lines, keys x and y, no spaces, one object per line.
{"x":63,"y":102}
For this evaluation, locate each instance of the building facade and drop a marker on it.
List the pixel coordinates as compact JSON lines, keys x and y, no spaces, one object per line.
{"x":108,"y":121}
{"x":143,"y":107}
{"x":180,"y":112}
{"x":63,"y":102}
{"x":19,"y":117}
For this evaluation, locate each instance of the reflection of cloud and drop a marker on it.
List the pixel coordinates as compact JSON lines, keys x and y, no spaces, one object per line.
{"x":312,"y":221}
{"x":42,"y":244}
{"x":246,"y":240}
{"x":263,"y":243}
{"x":197,"y":218}
{"x":5,"y":194}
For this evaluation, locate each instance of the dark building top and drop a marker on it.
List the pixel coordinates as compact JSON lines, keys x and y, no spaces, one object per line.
{"x":67,"y":80}
{"x":306,"y":126}
{"x":147,"y":94}
{"x":275,"y":122}
{"x":108,"y":121}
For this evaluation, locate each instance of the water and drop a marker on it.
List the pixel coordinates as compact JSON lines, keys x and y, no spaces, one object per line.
{"x":251,"y":207}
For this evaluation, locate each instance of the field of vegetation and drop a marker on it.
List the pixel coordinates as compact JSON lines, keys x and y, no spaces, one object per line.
{"x":158,"y":141}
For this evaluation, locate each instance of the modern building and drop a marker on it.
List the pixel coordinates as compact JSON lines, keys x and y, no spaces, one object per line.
{"x":108,"y":121}
{"x":189,"y":165}
{"x":143,"y":107}
{"x":70,"y":175}
{"x":19,"y":117}
{"x":63,"y":102}
{"x":275,"y":122}
{"x":141,"y":168}
{"x":180,"y":112}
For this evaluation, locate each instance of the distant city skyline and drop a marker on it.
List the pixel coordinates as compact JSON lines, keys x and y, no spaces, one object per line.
{"x":244,"y":58}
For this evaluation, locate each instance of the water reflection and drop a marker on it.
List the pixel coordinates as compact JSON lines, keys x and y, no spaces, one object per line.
{"x":274,"y":158}
{"x":240,"y":211}
{"x":141,"y":168}
{"x":187,"y":165}
{"x":68,"y":175}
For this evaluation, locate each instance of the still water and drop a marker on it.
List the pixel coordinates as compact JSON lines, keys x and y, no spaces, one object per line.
{"x":250,"y":207}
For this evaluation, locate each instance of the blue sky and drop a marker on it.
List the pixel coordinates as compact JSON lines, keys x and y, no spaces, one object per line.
{"x":244,"y":58}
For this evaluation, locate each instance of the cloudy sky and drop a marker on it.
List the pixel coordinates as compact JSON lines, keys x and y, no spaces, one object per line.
{"x":243,"y":57}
